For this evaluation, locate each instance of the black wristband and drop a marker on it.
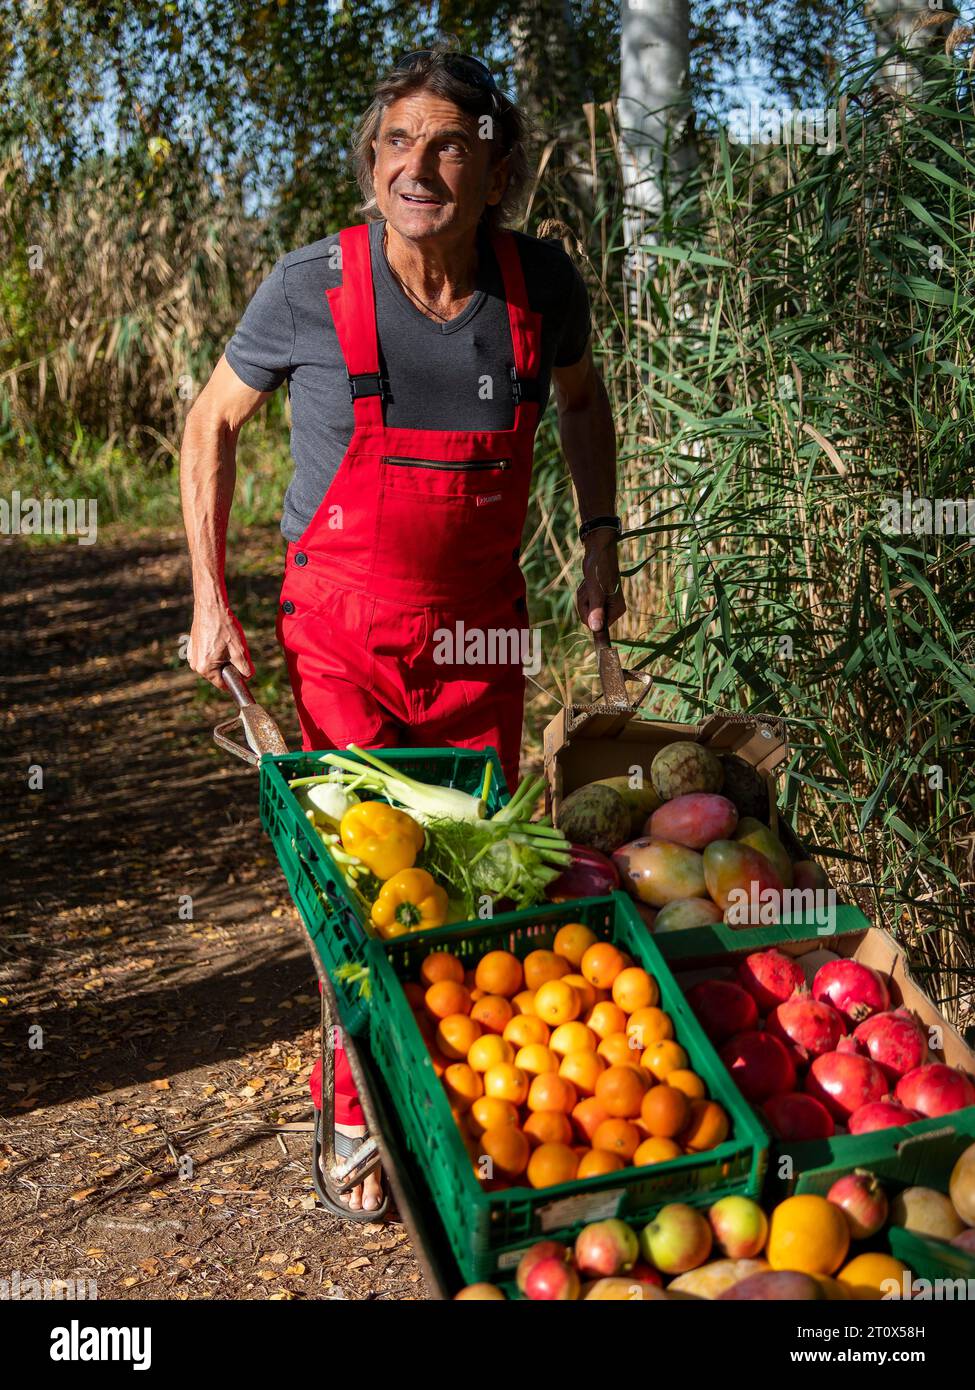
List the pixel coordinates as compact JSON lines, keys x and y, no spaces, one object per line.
{"x":597,"y":523}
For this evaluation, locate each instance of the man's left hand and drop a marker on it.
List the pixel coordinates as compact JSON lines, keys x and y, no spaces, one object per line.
{"x":599,"y":598}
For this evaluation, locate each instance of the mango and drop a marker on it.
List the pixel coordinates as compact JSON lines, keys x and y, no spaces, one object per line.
{"x":640,"y":800}
{"x":658,"y":871}
{"x":684,"y":913}
{"x":596,"y":816}
{"x":745,"y":786}
{"x":733,"y":867}
{"x":752,"y":832}
{"x":806,"y":874}
{"x":694,"y":820}
{"x":682,"y":767}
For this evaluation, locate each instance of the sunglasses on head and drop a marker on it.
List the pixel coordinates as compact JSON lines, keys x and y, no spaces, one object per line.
{"x":459,"y":65}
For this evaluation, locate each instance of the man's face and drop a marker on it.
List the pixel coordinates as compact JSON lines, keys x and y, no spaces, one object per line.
{"x":433,"y":174}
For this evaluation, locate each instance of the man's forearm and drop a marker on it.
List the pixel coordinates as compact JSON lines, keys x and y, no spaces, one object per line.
{"x":589,"y":444}
{"x":208,"y":474}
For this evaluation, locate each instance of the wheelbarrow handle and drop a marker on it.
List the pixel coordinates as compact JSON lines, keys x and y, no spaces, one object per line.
{"x":237,"y":685}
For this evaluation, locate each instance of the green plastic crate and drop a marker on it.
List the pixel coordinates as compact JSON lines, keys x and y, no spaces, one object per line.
{"x":489,"y":1231}
{"x":716,"y":938}
{"x":318,"y":889}
{"x":918,"y":1155}
{"x":934,"y":1259}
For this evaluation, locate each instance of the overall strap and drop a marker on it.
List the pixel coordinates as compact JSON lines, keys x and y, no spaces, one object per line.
{"x":526,"y":326}
{"x":353,"y":306}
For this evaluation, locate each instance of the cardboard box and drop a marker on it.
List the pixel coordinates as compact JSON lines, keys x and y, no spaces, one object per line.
{"x":923,"y":1152}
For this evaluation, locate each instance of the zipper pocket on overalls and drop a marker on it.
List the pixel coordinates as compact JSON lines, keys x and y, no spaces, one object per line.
{"x":470,"y":465}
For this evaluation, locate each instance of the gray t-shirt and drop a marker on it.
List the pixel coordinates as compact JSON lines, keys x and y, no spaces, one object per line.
{"x":436,"y":371}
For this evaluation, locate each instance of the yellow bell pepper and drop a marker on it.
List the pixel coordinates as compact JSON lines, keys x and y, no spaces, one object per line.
{"x":386,"y":840}
{"x":409,"y":901}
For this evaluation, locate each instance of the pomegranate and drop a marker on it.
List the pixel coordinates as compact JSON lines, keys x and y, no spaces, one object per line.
{"x":722,"y":1008}
{"x":844,"y":1082}
{"x":760,"y":1065}
{"x":807,"y":1027}
{"x":881,"y":1114}
{"x":935,"y":1089}
{"x":794,"y":1116}
{"x":854,"y":990}
{"x":771,"y":977}
{"x":863,"y":1202}
{"x":895,"y":1041}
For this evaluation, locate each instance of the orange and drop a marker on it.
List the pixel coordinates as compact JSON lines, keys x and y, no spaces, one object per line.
{"x":807,"y":1233}
{"x":606,"y":1018}
{"x":447,"y":997}
{"x":656,"y":1150}
{"x":548,"y":1127}
{"x":474,"y":992}
{"x":489,"y":1051}
{"x":617,"y":1136}
{"x":553,"y":1163}
{"x":556,"y":1002}
{"x":601,"y":963}
{"x":689,"y":1082}
{"x":665,"y":1111}
{"x":616,"y":1049}
{"x":550,"y":1091}
{"x":572,"y":941}
{"x":524,"y":1002}
{"x":507,"y":1148}
{"x":440,"y":1062}
{"x":455,"y":1035}
{"x":425,"y":1025}
{"x":648,"y":1026}
{"x":441,"y":965}
{"x":540,"y":966}
{"x":866,"y":1275}
{"x":499,"y":972}
{"x":463,"y":1085}
{"x":492,"y":1011}
{"x":620,"y":1091}
{"x":573,"y":1037}
{"x":536,"y":1058}
{"x":707,"y":1127}
{"x":584,"y":990}
{"x":594,"y":1162}
{"x":414,"y":994}
{"x":634,"y":989}
{"x":663,"y":1058}
{"x":587,"y":1116}
{"x":524,"y":1029}
{"x":489,"y":1113}
{"x":583,"y":1070}
{"x":506,"y":1082}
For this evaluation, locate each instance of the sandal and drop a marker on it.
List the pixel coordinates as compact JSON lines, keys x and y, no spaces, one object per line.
{"x":345,"y":1147}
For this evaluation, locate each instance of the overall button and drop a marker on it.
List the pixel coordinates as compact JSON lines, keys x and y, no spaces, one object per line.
{"x":287,"y":607}
{"x":301,"y":558}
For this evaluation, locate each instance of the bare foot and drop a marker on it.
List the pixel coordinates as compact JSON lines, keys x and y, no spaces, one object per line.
{"x":368,"y":1196}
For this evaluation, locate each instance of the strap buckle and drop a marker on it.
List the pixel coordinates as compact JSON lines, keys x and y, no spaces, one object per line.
{"x":364,"y":384}
{"x":523,"y":388}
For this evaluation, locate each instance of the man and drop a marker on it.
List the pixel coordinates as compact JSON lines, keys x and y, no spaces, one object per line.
{"x":418,"y":350}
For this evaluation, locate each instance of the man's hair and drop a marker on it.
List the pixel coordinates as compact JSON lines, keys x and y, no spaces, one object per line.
{"x":432,"y":74}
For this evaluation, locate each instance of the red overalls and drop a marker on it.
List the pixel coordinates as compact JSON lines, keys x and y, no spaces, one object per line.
{"x":415,"y":544}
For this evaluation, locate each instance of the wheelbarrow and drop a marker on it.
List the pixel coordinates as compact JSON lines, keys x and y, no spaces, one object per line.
{"x":384,"y":1140}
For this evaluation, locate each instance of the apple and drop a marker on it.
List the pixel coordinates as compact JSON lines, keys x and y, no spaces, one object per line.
{"x":479,"y":1293}
{"x":740,"y":1227}
{"x":552,"y":1280}
{"x":543,"y":1250}
{"x":605,"y":1248}
{"x":677,"y":1239}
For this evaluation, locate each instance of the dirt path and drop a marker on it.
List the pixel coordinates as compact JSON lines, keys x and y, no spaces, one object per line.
{"x":149,"y":1058}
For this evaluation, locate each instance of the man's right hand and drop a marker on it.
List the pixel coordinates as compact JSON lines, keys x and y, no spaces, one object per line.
{"x":217,"y":638}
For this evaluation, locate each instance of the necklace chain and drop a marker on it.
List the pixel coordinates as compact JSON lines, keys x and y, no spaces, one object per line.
{"x":406,"y":289}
